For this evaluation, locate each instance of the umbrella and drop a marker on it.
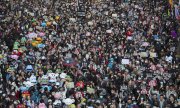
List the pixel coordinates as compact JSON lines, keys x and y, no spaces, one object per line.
{"x":69,"y":62}
{"x":1,"y":56}
{"x":29,"y":68}
{"x":41,"y":45}
{"x":28,"y":84}
{"x":43,"y":24}
{"x":153,"y":67}
{"x":144,"y":91}
{"x":72,"y":19}
{"x":41,"y":34}
{"x":54,"y":23}
{"x":90,"y":90}
{"x":156,"y":37}
{"x":57,"y":17}
{"x":32,"y":35}
{"x":63,"y":75}
{"x":23,"y":88}
{"x":57,"y":95}
{"x":38,"y":28}
{"x":145,"y":44}
{"x":80,"y":84}
{"x":90,"y":23}
{"x":129,"y":33}
{"x":88,"y":34}
{"x":173,"y":34}
{"x":48,"y":87}
{"x":30,"y":29}
{"x":14,"y":57}
{"x":57,"y":102}
{"x":68,"y":101}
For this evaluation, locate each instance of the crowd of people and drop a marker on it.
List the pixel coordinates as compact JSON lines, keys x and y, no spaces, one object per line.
{"x":120,"y":55}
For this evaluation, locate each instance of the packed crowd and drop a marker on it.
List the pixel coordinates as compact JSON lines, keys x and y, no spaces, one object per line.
{"x":120,"y":55}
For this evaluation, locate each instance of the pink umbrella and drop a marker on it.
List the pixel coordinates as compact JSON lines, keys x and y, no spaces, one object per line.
{"x":153,"y":67}
{"x":161,"y":69}
{"x":152,"y":83}
{"x":57,"y":95}
{"x":14,"y":57}
{"x":32,"y":35}
{"x":144,"y":91}
{"x":41,"y":34}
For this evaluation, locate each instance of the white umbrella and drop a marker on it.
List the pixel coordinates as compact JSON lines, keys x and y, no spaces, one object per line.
{"x":88,"y":34}
{"x":28,"y":83}
{"x":32,"y":35}
{"x":63,"y":75}
{"x":30,"y":29}
{"x":72,"y":19}
{"x":90,"y":23}
{"x":57,"y":102}
{"x":68,"y":101}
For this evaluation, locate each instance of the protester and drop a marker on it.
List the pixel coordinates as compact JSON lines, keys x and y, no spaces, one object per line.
{"x":120,"y":55}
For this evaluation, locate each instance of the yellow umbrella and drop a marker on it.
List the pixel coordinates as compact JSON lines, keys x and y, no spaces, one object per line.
{"x":48,"y":23}
{"x":35,"y":43}
{"x":51,"y":19}
{"x":72,"y":106}
{"x":57,"y":17}
{"x":38,"y":39}
{"x":1,"y":56}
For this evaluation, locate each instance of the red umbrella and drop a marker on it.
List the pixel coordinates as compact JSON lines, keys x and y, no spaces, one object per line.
{"x":80,"y":84}
{"x":129,"y":33}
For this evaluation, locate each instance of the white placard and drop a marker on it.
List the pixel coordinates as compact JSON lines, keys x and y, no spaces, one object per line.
{"x":114,"y":15}
{"x":143,"y":54}
{"x":125,"y":61}
{"x":153,"y":54}
{"x":108,"y":31}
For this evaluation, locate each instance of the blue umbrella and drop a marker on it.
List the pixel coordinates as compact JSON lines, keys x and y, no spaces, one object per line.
{"x":41,"y":45}
{"x":48,"y":87}
{"x":23,"y":88}
{"x":155,"y":37}
{"x":29,"y":68}
{"x":110,"y":64}
{"x":43,"y":24}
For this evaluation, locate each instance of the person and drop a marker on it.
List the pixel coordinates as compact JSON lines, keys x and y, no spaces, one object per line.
{"x":116,"y":56}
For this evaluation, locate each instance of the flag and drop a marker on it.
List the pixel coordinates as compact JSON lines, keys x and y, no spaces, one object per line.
{"x":177,"y":12}
{"x":171,"y":3}
{"x":169,"y":12}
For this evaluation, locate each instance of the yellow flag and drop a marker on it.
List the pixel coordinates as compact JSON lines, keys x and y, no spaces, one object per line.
{"x":169,"y":12}
{"x":171,"y":3}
